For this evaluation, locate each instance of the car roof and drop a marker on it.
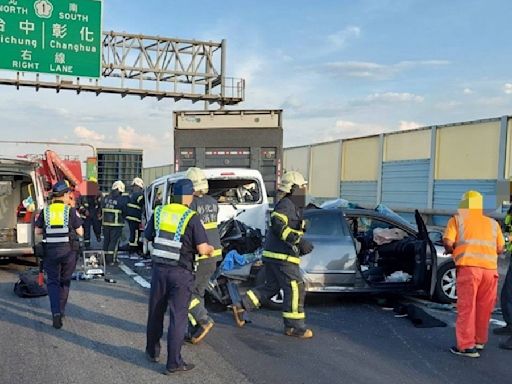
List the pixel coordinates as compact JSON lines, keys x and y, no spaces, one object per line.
{"x":212,"y":173}
{"x":365,"y":212}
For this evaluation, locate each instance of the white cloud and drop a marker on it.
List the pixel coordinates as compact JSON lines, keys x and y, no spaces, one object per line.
{"x":507,"y":88}
{"x":340,"y":38}
{"x":405,"y":125}
{"x":364,"y":69}
{"x":88,"y":134}
{"x":468,"y":91}
{"x":394,"y":97}
{"x":129,"y":138}
{"x":343,"y":124}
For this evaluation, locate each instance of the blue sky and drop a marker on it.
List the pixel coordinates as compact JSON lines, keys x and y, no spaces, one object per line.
{"x":337,"y":68}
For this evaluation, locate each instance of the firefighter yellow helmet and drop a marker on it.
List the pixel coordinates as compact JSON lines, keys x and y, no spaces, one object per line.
{"x":198,"y":178}
{"x":472,"y":200}
{"x":119,"y":185}
{"x":138,"y":182}
{"x":290,"y":179}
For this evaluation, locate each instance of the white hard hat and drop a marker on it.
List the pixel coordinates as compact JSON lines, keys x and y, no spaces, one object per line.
{"x":198,"y":178}
{"x":138,"y":182}
{"x":119,"y":185}
{"x":289,"y":179}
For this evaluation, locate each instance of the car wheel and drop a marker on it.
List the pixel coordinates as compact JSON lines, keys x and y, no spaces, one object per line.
{"x":446,"y":291}
{"x":276,"y":301}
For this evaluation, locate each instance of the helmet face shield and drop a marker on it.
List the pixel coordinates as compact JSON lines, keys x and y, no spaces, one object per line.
{"x":290,"y":179}
{"x":198,"y":178}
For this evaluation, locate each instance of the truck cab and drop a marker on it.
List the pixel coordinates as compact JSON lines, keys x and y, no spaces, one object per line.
{"x":21,"y":196}
{"x":238,"y":191}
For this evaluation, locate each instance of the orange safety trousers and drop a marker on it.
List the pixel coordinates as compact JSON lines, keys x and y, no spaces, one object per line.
{"x":476,"y":297}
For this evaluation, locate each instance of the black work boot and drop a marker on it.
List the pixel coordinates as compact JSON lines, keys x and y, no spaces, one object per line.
{"x":506,"y":330}
{"x":57,"y":321}
{"x":507,"y":344}
{"x":300,"y":333}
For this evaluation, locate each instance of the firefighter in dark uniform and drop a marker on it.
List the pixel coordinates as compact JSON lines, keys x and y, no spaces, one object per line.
{"x":89,"y":207}
{"x":134,"y":214}
{"x":113,"y":212}
{"x":177,"y":234}
{"x":207,"y":208}
{"x":284,"y":244}
{"x":60,"y":226}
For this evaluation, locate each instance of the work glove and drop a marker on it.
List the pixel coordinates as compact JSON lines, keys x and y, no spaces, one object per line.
{"x":305,"y":247}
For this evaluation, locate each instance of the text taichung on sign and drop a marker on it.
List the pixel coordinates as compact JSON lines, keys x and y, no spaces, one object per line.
{"x":61,"y":37}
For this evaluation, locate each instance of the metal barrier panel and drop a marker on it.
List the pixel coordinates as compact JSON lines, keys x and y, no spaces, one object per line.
{"x":410,"y":145}
{"x":447,"y":194}
{"x":360,"y":192}
{"x":297,"y":159}
{"x":405,"y":183}
{"x":360,"y":159}
{"x":468,"y":151}
{"x":325,"y":172}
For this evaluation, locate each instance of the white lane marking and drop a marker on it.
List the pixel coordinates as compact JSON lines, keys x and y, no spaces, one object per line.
{"x":138,"y":279}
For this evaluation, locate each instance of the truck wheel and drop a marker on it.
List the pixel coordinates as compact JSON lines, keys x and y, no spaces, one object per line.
{"x":276,"y":301}
{"x":445,"y":286}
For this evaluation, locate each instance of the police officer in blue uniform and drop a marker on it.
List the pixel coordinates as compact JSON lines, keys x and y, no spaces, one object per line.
{"x":177,"y":235}
{"x":284,"y":244}
{"x":60,"y":226}
{"x":200,"y":323}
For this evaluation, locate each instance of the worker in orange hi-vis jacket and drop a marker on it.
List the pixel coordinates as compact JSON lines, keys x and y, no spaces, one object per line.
{"x":474,"y":240}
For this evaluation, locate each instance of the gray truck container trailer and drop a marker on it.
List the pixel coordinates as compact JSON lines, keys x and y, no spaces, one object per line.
{"x":230,"y":139}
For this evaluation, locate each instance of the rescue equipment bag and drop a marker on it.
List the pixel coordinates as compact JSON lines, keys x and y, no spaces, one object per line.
{"x":27,"y":285}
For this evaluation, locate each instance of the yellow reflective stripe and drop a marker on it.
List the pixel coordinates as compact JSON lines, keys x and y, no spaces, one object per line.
{"x":211,"y":225}
{"x":295,"y":296}
{"x":133,"y":218}
{"x":253,"y":298}
{"x":294,"y":315}
{"x":280,"y":216}
{"x":133,"y":206}
{"x":140,"y":198}
{"x":285,"y":233}
{"x":113,"y":224}
{"x":192,"y":320}
{"x":194,"y":303}
{"x":281,"y":256}
{"x":216,"y":253}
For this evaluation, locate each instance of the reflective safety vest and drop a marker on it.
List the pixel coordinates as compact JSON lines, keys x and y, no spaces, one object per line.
{"x":476,"y":246}
{"x":171,"y":221}
{"x":56,"y":224}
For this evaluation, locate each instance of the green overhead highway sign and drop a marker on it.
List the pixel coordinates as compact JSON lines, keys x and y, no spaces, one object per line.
{"x":61,"y":37}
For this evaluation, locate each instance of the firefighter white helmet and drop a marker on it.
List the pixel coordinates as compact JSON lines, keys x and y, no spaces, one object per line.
{"x":119,"y":185}
{"x":290,"y":179}
{"x":198,"y":178}
{"x":138,"y":182}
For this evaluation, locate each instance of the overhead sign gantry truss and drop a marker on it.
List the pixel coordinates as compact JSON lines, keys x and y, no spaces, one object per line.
{"x":150,"y":66}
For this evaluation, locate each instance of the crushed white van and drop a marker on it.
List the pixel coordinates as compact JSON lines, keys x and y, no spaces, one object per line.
{"x":239,"y":192}
{"x":21,"y":196}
